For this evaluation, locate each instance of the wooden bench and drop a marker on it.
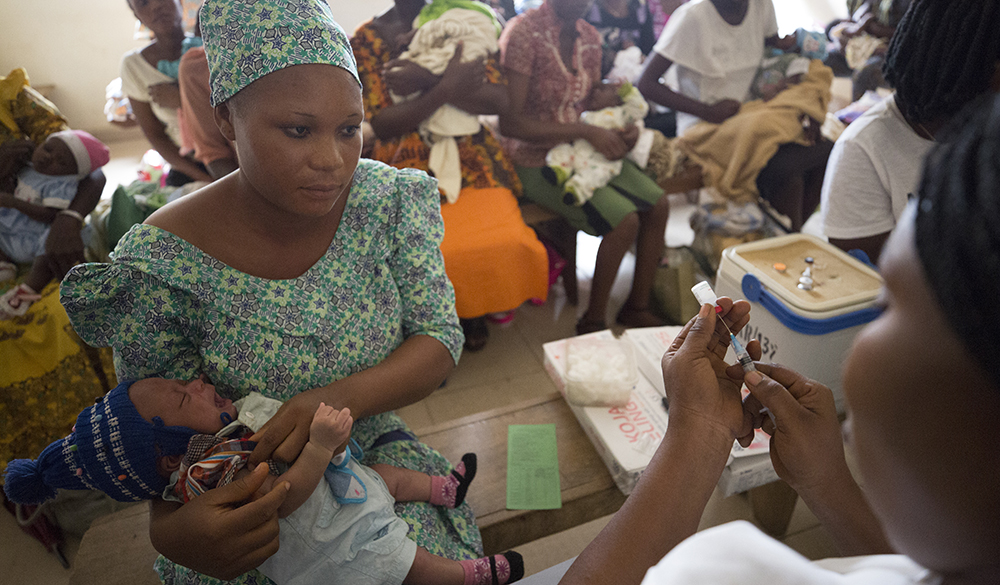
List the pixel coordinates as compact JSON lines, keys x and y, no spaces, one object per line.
{"x":588,"y":491}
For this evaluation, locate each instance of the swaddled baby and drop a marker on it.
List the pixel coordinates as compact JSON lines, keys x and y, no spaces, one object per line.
{"x":45,"y":187}
{"x":440,"y":27}
{"x":578,"y":166}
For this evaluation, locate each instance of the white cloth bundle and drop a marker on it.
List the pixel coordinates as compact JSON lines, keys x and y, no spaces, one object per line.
{"x":432,"y":47}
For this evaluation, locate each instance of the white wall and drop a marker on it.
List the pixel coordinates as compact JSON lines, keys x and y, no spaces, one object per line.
{"x":76,"y":45}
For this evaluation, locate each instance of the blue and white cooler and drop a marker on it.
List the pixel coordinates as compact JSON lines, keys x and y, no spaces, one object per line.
{"x":811,"y":327}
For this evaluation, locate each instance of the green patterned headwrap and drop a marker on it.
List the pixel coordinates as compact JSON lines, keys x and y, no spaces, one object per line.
{"x":247,"y":39}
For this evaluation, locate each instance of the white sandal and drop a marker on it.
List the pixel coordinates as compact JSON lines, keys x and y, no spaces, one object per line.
{"x":16,"y":301}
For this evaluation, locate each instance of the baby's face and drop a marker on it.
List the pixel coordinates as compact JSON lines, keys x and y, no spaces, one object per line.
{"x":53,"y":157}
{"x":603,"y":96}
{"x":193,"y":404}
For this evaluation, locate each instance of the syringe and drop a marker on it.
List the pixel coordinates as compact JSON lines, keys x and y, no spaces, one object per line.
{"x":746,"y":362}
{"x":705,"y":295}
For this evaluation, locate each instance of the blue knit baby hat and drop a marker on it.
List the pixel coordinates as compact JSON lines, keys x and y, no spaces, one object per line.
{"x":111,"y":449}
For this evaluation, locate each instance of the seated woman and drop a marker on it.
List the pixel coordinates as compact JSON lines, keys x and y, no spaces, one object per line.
{"x":552,"y":59}
{"x":921,"y":429}
{"x":943,"y":55}
{"x":45,"y":187}
{"x":211,"y":148}
{"x":716,"y":47}
{"x":622,"y":24}
{"x":859,"y":43}
{"x":494,"y":260}
{"x":155,"y":95}
{"x":307,"y":276}
{"x":627,"y":29}
{"x":43,"y":359}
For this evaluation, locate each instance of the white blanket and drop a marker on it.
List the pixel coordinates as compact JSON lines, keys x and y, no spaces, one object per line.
{"x":432,"y":47}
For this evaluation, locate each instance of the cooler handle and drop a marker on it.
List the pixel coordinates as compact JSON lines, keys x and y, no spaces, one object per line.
{"x":755,"y":292}
{"x":859,"y":254}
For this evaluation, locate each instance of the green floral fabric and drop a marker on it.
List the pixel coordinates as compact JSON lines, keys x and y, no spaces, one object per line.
{"x":168,"y":309}
{"x":247,"y":39}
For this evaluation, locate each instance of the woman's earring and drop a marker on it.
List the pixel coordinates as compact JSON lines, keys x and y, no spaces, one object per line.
{"x":226,"y":418}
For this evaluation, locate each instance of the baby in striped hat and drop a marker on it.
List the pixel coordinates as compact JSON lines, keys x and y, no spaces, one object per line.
{"x":45,"y":188}
{"x":177,"y":439}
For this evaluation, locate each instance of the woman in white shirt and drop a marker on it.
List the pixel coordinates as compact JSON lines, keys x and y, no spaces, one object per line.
{"x":155,"y":95}
{"x":943,"y":55}
{"x":715,"y":48}
{"x":922,"y":384}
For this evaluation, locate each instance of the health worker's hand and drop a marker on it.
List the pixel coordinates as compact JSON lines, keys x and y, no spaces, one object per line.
{"x":807,"y":446}
{"x":694,"y":371}
{"x":224,"y":532}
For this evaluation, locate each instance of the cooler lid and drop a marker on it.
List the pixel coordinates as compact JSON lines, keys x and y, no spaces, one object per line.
{"x":839,"y":280}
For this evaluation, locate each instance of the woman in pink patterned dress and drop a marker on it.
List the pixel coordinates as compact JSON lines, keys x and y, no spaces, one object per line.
{"x":552,"y":59}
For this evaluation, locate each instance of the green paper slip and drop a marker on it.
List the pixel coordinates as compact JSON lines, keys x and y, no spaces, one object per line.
{"x":532,"y":468}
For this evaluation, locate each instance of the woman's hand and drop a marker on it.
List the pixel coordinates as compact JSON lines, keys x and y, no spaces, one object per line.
{"x":630,"y":136}
{"x":404,"y":77}
{"x":14,"y":154}
{"x":166,"y":95}
{"x":462,"y":78}
{"x":786,"y":43}
{"x":607,"y":142}
{"x":694,"y":371}
{"x":223,"y":532}
{"x":719,"y":112}
{"x":807,"y":447}
{"x":6,"y":199}
{"x":283,"y":436}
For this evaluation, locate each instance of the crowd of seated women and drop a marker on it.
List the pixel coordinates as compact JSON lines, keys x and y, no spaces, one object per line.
{"x":550,"y":59}
{"x":929,"y":464}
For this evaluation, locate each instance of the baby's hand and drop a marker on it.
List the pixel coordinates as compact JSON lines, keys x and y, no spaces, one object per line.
{"x":330,"y":427}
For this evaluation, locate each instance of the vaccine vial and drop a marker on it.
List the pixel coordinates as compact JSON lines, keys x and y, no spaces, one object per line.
{"x":704,"y":293}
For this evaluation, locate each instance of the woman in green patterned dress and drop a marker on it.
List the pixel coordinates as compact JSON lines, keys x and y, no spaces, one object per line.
{"x":307,"y":276}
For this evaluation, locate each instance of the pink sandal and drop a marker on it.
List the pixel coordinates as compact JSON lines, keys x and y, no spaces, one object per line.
{"x":16,"y":301}
{"x":501,"y":318}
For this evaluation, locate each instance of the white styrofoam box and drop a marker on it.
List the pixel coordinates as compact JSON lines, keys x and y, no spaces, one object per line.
{"x":809,"y":331}
{"x":650,"y":344}
{"x":626,"y":437}
{"x":747,"y":472}
{"x":599,"y":372}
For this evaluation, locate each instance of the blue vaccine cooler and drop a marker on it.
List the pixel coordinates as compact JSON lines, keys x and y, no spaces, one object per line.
{"x":809,"y":301}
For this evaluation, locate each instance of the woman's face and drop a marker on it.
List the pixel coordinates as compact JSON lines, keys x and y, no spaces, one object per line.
{"x":922,"y":422}
{"x":570,"y":10}
{"x":54,"y":158}
{"x":158,"y":15}
{"x":298,"y":136}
